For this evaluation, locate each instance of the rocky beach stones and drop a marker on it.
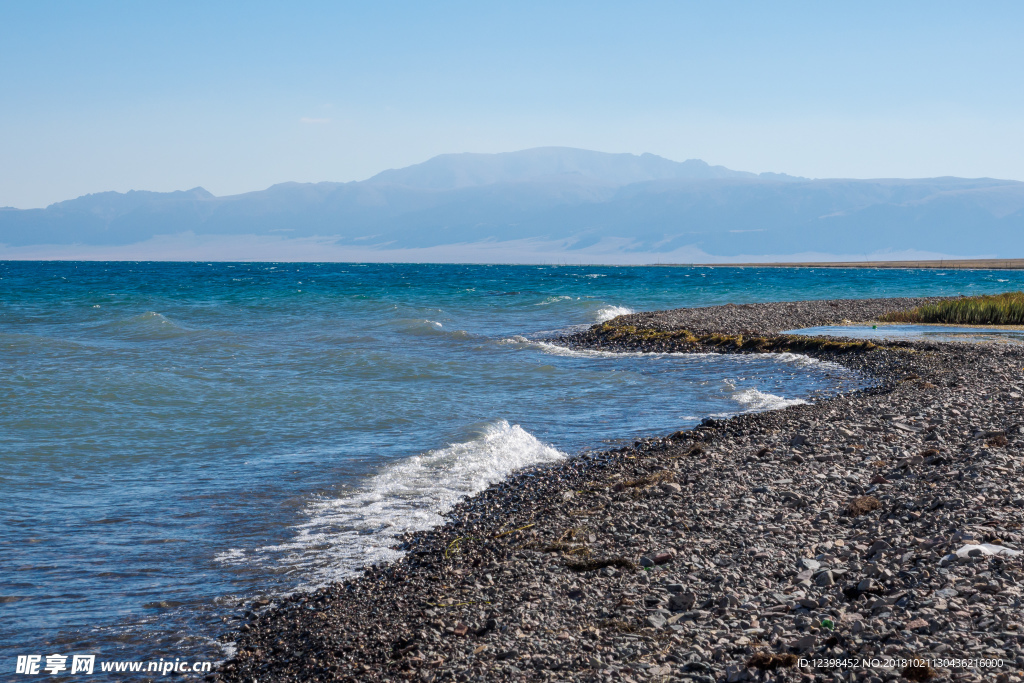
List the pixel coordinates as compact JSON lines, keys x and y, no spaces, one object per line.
{"x":847,"y":540}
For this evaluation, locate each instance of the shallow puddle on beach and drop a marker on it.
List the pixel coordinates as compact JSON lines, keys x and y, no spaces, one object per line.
{"x":944,"y":333}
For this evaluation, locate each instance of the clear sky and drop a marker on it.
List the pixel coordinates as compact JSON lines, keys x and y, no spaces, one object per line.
{"x":235,"y":97}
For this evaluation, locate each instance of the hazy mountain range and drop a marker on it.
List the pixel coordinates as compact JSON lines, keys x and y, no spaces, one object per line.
{"x":548,"y":203}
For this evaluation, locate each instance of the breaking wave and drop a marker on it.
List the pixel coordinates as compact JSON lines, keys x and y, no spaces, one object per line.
{"x":347,"y":533}
{"x":754,"y":400}
{"x":606,"y":313}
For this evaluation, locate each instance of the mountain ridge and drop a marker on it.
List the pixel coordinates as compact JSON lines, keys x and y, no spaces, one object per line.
{"x":467,"y":169}
{"x":576,"y":198}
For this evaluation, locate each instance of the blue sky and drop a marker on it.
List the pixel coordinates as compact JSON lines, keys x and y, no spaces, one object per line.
{"x":238,"y":96}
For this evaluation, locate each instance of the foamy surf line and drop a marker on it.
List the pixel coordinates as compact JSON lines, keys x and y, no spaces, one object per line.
{"x":345,"y":534}
{"x":560,"y":350}
{"x":752,"y":400}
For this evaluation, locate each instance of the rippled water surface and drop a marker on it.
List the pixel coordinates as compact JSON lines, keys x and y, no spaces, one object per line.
{"x":174,"y":437}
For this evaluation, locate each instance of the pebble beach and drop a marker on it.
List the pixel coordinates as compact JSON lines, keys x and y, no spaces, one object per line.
{"x":870,"y":536}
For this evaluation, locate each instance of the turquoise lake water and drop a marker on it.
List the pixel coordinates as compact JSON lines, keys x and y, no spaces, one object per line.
{"x":175,"y":437}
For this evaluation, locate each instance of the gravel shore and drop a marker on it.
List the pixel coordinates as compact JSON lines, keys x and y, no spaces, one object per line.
{"x":814,"y":543}
{"x":771,"y":318}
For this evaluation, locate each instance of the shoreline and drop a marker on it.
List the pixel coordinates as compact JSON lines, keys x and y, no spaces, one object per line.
{"x":757,"y":550}
{"x":923,"y":264}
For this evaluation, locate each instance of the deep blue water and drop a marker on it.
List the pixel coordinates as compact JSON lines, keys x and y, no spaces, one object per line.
{"x":175,"y":436}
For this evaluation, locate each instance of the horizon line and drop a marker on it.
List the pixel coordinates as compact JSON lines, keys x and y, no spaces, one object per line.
{"x":923,"y":264}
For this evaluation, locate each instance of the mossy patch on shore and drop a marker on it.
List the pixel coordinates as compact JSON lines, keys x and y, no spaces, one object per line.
{"x":632,"y":332}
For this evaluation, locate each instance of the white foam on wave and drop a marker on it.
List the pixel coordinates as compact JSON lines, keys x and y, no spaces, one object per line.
{"x":606,"y":313}
{"x":802,"y":360}
{"x":755,"y":400}
{"x":359,"y":529}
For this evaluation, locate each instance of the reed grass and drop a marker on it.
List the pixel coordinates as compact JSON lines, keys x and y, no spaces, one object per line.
{"x":987,"y":309}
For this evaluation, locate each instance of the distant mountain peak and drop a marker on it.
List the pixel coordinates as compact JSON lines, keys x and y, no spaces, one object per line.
{"x":468,"y":169}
